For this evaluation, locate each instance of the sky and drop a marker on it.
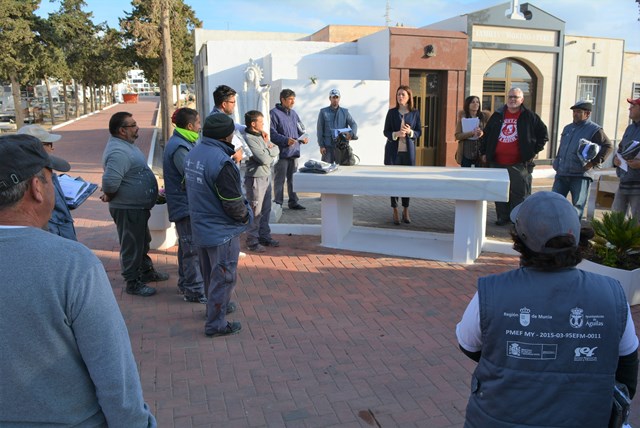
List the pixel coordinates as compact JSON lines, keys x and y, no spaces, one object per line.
{"x":613,"y":19}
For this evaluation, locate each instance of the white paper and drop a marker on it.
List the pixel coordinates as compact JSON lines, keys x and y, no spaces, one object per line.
{"x":71,"y":188}
{"x":469,"y":124}
{"x":337,"y":132}
{"x":623,"y":163}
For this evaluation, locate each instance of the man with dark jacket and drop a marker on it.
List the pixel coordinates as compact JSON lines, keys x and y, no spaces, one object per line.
{"x":219,"y":214}
{"x":550,"y":339}
{"x":512,"y":137}
{"x":131,"y":189}
{"x":574,"y":173}
{"x":185,"y":135}
{"x":287,"y":132}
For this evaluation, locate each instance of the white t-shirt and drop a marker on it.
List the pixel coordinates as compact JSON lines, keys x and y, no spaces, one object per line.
{"x":470,"y":337}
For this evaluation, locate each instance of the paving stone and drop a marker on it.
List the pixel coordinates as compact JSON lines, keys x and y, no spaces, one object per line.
{"x":326,"y":334}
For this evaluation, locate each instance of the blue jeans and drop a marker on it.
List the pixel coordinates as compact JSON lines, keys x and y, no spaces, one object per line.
{"x":577,"y":186}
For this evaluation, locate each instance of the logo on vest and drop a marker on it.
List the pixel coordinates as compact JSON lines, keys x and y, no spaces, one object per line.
{"x":576,"y":319}
{"x":514,"y":349}
{"x":584,"y":353}
{"x":525,"y":316}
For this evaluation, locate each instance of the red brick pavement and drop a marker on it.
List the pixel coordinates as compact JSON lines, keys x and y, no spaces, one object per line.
{"x":330,"y":338}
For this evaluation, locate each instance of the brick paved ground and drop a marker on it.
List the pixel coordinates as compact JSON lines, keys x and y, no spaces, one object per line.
{"x":330,"y":338}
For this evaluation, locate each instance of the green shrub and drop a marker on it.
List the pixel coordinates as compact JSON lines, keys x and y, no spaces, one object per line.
{"x":617,"y":241}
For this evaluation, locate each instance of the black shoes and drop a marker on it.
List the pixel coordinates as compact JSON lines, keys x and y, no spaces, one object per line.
{"x":296,"y":207}
{"x":138,"y":288}
{"x":231,"y":307}
{"x":502,"y":222}
{"x":196,"y":299}
{"x":232,"y":327}
{"x":153,"y":276}
{"x":269,"y":242}
{"x":256,"y":248}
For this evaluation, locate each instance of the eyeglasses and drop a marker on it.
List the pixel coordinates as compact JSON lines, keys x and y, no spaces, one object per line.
{"x":129,"y":126}
{"x":514,"y":97}
{"x":50,"y":145}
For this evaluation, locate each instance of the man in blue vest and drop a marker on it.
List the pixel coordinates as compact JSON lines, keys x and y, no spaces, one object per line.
{"x":185,"y":135}
{"x":219,"y":214}
{"x":550,"y":339}
{"x":574,"y":170}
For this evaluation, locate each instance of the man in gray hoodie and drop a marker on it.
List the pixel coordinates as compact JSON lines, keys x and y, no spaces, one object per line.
{"x":131,"y":189}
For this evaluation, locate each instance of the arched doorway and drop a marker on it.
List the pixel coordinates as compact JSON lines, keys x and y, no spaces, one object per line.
{"x":504,"y":75}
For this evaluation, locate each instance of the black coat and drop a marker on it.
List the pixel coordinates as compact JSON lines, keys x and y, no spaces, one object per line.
{"x":532,"y":134}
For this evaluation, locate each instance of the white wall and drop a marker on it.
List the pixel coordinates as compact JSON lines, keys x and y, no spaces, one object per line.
{"x":360,"y":70}
{"x":367,"y":101}
{"x":376,"y":46}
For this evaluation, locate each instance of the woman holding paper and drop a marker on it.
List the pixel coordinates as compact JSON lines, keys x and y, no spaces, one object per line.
{"x":402,"y":128}
{"x":471,"y":122}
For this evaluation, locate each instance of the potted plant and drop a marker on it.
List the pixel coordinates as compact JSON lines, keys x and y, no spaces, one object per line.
{"x":615,"y":252}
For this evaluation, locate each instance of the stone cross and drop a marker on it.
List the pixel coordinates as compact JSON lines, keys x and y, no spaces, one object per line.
{"x":593,"y":53}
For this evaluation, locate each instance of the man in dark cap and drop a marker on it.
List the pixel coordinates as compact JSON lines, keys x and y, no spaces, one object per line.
{"x":66,"y":354}
{"x":576,"y":158}
{"x":549,"y":339}
{"x":219,"y":214}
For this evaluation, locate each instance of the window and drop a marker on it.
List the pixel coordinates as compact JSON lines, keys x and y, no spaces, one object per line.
{"x":636,"y":91}
{"x":501,"y":77}
{"x":592,"y":89}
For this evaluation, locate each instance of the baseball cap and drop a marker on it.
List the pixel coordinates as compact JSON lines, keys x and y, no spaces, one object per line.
{"x":334,"y":93}
{"x":218,"y":125}
{"x":634,"y":102}
{"x":40,"y":133}
{"x":583,"y":105}
{"x":544,"y":216}
{"x":22,"y":157}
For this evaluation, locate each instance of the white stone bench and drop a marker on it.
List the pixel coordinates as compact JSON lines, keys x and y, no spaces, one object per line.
{"x":471,"y":188}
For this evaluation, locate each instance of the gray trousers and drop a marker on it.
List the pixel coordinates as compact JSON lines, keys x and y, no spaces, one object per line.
{"x":134,"y":236}
{"x":625,"y":203}
{"x":189,"y":276}
{"x":219,"y":266}
{"x":258,"y":190}
{"x":284,"y":169}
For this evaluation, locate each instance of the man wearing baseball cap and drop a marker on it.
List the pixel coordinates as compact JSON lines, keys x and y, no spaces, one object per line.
{"x":627,"y":197}
{"x":329,"y":119}
{"x":66,"y":354}
{"x":574,"y":172}
{"x":219,"y":214}
{"x":61,"y":221}
{"x":549,"y":339}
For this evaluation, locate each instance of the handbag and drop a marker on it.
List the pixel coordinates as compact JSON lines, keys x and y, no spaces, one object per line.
{"x":621,"y":406}
{"x":458,"y":155}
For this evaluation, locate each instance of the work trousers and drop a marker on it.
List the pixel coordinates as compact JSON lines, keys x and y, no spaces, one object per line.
{"x":189,"y":277}
{"x":134,"y":237}
{"x":219,"y":266}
